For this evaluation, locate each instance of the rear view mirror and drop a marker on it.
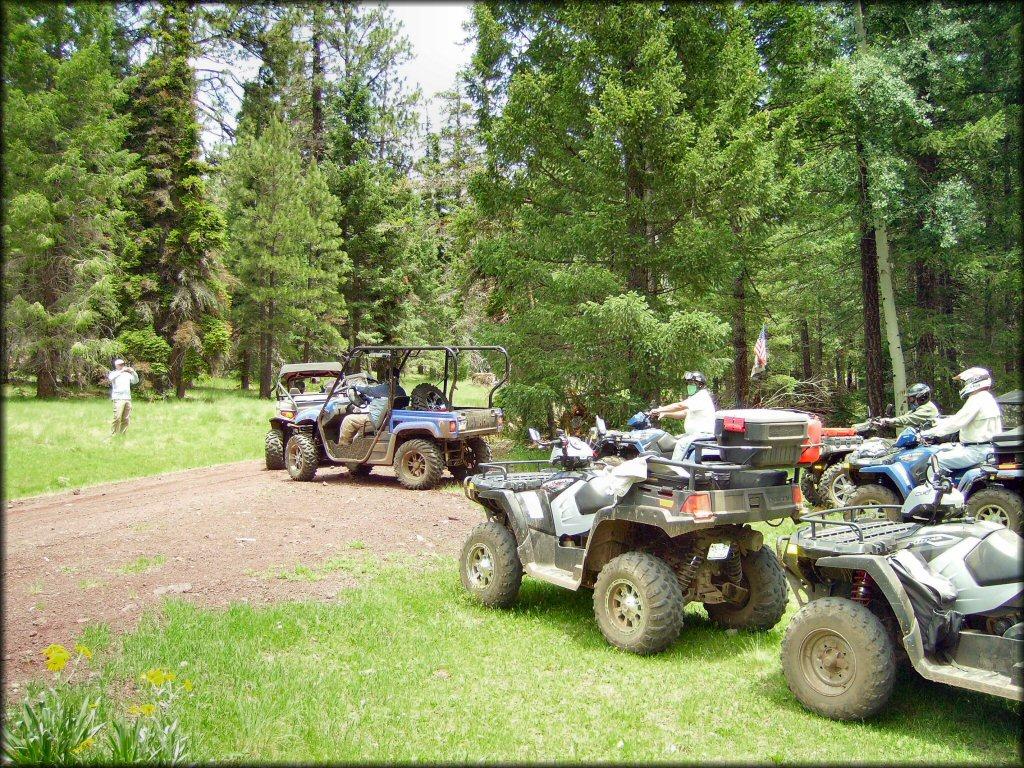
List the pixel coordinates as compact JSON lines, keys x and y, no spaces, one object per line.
{"x":601,"y":426}
{"x":933,"y":467}
{"x":534,"y":435}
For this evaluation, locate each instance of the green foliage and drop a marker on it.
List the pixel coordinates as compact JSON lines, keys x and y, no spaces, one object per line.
{"x":146,"y":351}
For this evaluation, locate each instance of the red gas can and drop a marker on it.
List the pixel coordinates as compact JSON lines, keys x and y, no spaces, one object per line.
{"x":812,"y":448}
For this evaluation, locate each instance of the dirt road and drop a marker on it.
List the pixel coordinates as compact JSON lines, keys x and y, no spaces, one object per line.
{"x":217,"y":535}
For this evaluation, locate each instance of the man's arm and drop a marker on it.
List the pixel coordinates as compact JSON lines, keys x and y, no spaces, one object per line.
{"x":135,"y":376}
{"x":956,"y":422}
{"x":919,"y":417}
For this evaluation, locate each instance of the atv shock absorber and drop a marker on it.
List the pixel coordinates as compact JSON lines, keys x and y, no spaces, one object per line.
{"x":731,"y":567}
{"x":862,"y":589}
{"x":689,"y":571}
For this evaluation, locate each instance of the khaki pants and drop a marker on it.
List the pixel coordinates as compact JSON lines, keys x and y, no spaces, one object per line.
{"x":122,"y":415}
{"x":352,"y":425}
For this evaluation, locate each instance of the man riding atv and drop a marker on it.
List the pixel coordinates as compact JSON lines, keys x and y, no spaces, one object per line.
{"x":978,"y":421}
{"x":697,"y":410}
{"x":921,"y":413}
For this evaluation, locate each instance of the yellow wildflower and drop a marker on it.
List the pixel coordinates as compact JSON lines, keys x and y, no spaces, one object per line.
{"x":56,"y":656}
{"x":84,"y":650}
{"x":86,"y":744}
{"x":144,"y":709}
{"x":157,"y":676}
{"x":187,"y":685}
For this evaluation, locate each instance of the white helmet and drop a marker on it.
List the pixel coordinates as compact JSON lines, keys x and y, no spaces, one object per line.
{"x":973,"y":379}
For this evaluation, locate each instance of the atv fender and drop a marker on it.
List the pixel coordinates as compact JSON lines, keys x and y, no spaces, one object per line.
{"x":281,"y":423}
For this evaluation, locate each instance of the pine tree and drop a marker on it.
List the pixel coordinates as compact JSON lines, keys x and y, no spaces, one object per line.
{"x":177,"y":282}
{"x":64,"y":175}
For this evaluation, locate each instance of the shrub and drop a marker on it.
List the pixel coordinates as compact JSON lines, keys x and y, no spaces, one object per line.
{"x":147,"y":352}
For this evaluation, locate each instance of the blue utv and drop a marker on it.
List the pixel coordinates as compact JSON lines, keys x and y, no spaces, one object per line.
{"x":420,"y":434}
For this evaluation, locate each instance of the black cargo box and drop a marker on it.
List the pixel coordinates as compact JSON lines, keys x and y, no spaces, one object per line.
{"x":1010,"y":444}
{"x":743,"y":434}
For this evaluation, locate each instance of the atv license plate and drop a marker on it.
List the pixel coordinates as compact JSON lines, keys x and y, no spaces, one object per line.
{"x":718,"y":551}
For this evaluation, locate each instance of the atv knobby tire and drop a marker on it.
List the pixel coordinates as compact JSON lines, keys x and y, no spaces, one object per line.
{"x":838,"y":659}
{"x":997,"y":505}
{"x":359,"y":470}
{"x":872,"y":495}
{"x":301,"y":456}
{"x":489,"y":565}
{"x":476,"y":452}
{"x":810,"y":488}
{"x":273,"y":449}
{"x":767,"y":597}
{"x":419,"y":464}
{"x":834,"y":474}
{"x":637,"y":603}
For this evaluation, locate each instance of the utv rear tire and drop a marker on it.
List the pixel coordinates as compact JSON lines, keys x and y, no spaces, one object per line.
{"x":998,"y":505}
{"x":637,"y":603}
{"x":301,"y":456}
{"x":477,"y":452}
{"x":767,"y":599}
{"x":838,"y":659}
{"x":489,"y":565}
{"x":419,"y":464}
{"x":273,"y":449}
{"x":835,"y":480}
{"x":875,"y":494}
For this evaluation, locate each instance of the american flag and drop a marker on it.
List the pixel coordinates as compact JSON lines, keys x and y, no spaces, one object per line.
{"x":760,"y":354}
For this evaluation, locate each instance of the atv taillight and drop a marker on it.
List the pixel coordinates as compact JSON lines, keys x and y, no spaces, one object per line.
{"x":453,"y":427}
{"x":698,"y":506}
{"x":798,"y":495}
{"x":734,"y":424}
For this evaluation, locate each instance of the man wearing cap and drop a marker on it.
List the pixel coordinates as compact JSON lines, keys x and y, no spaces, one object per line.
{"x":121,"y":380}
{"x":697,"y":411}
{"x":978,"y":421}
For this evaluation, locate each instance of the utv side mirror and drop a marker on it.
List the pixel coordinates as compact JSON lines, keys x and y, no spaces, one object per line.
{"x":601,"y":426}
{"x":534,"y":435}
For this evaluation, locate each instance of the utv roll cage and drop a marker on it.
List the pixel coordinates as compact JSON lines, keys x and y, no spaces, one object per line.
{"x":399,"y":356}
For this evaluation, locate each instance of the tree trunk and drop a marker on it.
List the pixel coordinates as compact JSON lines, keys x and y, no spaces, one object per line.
{"x":740,"y":370}
{"x":892,"y":326}
{"x":266,"y":365}
{"x":46,"y":373}
{"x":926,"y":297}
{"x":805,"y":349}
{"x":246,"y":366}
{"x":317,"y":147}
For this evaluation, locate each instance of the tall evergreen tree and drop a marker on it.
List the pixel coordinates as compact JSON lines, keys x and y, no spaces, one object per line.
{"x":177,"y":282}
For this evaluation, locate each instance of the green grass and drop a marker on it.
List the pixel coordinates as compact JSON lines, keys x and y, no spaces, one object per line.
{"x":51,"y":445}
{"x":142,"y":564}
{"x":406,"y":667}
{"x":54,"y":445}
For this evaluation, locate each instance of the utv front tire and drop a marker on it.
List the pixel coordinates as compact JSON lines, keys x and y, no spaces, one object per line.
{"x":476,"y":452}
{"x":489,"y":565}
{"x":997,"y":505}
{"x":273,"y":449}
{"x":301,"y":456}
{"x":766,"y":600}
{"x":419,"y":464}
{"x":838,"y":659}
{"x":637,"y":603}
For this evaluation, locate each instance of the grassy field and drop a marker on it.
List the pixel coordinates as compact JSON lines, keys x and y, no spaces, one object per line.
{"x":52,"y":445}
{"x":406,"y":668}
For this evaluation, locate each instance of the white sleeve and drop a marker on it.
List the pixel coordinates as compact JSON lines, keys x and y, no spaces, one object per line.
{"x":111,"y":375}
{"x":950,"y":424}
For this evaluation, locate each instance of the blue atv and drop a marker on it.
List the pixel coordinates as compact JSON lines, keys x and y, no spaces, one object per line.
{"x":992,"y":490}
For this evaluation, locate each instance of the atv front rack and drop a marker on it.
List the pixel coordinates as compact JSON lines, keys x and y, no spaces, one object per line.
{"x":823,"y":537}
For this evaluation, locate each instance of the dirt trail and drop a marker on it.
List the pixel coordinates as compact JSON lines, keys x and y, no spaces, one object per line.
{"x":217,"y":535}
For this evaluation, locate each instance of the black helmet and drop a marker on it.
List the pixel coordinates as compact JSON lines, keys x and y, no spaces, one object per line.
{"x":695,"y":377}
{"x":919,"y":394}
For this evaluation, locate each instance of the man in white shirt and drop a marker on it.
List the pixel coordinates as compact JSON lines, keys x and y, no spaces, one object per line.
{"x":697,"y":412}
{"x":121,"y":380}
{"x":978,"y":421}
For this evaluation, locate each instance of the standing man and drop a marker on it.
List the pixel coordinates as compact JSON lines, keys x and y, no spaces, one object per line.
{"x":121,"y":380}
{"x":978,"y":421}
{"x":697,"y":412}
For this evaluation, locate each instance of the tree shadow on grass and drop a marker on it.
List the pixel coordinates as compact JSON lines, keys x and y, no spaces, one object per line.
{"x":572,"y":613}
{"x":921,"y":709}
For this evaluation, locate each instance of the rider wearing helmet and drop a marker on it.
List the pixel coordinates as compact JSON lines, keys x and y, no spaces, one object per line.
{"x":697,"y":410}
{"x":922,"y":411}
{"x":978,"y":421}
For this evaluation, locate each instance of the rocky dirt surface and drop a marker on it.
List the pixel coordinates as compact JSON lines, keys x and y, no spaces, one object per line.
{"x":224,"y":534}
